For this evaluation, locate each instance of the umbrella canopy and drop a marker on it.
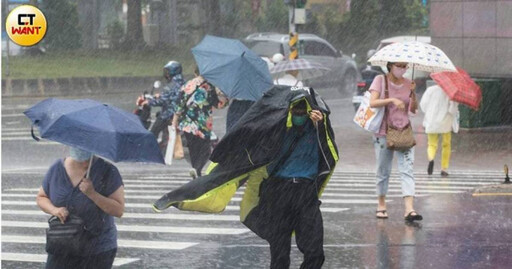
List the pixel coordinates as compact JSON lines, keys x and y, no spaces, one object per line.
{"x":99,"y":128}
{"x":307,"y":69}
{"x":422,"y":56}
{"x":231,"y":66}
{"x":459,"y":87}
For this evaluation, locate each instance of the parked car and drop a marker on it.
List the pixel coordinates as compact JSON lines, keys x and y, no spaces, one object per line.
{"x":343,"y":75}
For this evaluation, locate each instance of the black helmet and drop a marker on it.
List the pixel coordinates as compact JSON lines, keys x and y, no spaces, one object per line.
{"x":172,"y":69}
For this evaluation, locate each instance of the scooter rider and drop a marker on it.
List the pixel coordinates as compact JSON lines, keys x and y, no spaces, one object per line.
{"x":172,"y":72}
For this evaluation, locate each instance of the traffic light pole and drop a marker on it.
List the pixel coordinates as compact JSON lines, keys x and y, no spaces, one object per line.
{"x":294,"y":36}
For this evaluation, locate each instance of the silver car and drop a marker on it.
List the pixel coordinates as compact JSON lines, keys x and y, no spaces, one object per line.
{"x":343,"y":75}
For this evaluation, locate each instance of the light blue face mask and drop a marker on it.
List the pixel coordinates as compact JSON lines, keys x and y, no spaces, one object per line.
{"x":299,"y":120}
{"x":79,"y":155}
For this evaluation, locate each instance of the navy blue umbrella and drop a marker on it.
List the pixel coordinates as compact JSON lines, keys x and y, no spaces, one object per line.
{"x":231,"y":66}
{"x":99,"y":128}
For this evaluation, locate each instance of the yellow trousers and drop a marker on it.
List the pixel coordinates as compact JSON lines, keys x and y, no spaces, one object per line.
{"x":433,"y":141}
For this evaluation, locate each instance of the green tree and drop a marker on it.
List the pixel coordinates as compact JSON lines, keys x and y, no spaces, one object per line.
{"x":359,"y":27}
{"x":274,"y":18}
{"x":63,"y":32}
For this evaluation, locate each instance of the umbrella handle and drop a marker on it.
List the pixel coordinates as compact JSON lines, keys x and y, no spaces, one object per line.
{"x":89,"y":168}
{"x":33,"y":135}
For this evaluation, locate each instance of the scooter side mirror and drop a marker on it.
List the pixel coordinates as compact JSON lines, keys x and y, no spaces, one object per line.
{"x":157,"y":84}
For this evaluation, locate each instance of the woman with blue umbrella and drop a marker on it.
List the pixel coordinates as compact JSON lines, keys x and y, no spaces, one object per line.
{"x":82,"y":188}
{"x":239,"y":72}
{"x":96,"y":199}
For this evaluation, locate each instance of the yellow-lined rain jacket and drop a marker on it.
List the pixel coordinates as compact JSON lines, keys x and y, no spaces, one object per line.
{"x":242,"y":156}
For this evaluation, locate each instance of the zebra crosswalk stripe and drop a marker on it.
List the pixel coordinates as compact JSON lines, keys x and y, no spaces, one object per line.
{"x":349,"y":189}
{"x":28,"y":257}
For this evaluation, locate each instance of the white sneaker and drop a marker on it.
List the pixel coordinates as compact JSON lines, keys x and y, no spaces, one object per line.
{"x":192,"y":172}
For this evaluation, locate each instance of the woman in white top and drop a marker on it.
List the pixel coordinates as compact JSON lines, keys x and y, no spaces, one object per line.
{"x":441,"y":118}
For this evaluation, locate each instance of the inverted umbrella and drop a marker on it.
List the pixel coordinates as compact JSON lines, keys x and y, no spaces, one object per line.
{"x":307,"y":69}
{"x":231,"y":66}
{"x":99,"y":128}
{"x":422,"y":56}
{"x":459,"y":87}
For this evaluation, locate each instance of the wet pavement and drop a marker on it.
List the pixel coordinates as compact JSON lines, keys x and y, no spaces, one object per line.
{"x":458,"y":230}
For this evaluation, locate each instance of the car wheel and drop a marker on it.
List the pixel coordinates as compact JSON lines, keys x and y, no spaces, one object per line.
{"x":349,"y":83}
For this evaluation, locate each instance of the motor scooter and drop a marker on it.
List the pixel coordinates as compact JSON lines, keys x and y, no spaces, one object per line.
{"x":143,"y":111}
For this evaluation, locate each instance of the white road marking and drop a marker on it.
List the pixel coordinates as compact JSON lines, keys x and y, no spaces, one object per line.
{"x":148,"y":206}
{"x":145,"y":244}
{"x":140,"y":228}
{"x":26,"y":257}
{"x":207,"y":217}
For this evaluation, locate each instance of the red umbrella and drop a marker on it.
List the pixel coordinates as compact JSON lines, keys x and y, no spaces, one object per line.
{"x":459,"y":87}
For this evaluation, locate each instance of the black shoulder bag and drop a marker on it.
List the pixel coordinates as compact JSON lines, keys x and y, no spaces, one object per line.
{"x":72,"y":237}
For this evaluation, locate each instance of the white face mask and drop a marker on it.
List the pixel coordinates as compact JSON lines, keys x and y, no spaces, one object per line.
{"x":398,"y":72}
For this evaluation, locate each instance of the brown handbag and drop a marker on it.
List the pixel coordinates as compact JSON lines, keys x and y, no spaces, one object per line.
{"x":399,"y":139}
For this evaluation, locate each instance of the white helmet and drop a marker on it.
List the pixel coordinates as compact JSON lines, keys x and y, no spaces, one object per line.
{"x":277,"y":58}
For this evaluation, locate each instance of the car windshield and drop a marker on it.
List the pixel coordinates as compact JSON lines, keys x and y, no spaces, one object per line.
{"x":265,"y":48}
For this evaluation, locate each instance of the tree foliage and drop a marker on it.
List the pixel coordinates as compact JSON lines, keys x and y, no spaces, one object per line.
{"x":63,"y":32}
{"x":372,"y":20}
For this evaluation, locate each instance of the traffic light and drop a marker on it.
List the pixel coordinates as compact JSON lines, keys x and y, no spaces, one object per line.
{"x":293,"y":43}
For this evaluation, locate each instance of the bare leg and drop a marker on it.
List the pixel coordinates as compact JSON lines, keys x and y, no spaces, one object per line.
{"x":381,"y":206}
{"x":409,"y":205}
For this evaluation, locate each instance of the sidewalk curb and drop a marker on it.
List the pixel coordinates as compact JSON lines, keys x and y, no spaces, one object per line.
{"x":489,"y":190}
{"x":74,"y":86}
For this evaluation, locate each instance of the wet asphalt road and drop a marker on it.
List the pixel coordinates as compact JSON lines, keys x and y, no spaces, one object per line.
{"x":459,"y":230}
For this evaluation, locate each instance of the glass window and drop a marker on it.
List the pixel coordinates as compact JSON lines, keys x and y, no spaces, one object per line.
{"x":265,"y":48}
{"x":316,"y":48}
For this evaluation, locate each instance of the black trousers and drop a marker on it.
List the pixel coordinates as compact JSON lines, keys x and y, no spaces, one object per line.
{"x":292,"y":207}
{"x":199,"y":150}
{"x":103,"y":260}
{"x":160,"y":125}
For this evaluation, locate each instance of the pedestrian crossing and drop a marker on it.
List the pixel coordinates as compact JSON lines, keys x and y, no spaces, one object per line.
{"x":142,"y":233}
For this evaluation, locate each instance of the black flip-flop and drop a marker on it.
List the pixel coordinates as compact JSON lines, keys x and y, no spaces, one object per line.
{"x":383,"y":212}
{"x":410,"y":217}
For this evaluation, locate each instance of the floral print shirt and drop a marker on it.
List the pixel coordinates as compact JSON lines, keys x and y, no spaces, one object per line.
{"x":195,"y":106}
{"x":169,"y":97}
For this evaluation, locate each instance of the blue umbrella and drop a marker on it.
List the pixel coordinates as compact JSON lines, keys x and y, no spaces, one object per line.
{"x":231,"y":66}
{"x":99,"y":128}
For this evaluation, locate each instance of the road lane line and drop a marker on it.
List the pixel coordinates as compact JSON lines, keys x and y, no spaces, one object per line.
{"x":234,"y":199}
{"x":122,"y":243}
{"x":148,"y":206}
{"x":26,"y":257}
{"x":141,"y":228}
{"x":207,"y":217}
{"x":492,"y":194}
{"x":238,"y":193}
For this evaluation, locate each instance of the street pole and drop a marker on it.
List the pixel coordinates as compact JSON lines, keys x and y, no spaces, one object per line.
{"x":294,"y":36}
{"x":5,"y":11}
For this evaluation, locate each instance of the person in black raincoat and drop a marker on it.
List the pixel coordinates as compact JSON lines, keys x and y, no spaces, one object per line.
{"x":283,"y":150}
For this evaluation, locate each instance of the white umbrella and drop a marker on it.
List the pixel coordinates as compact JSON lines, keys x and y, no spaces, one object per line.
{"x":307,"y":69}
{"x":422,"y":56}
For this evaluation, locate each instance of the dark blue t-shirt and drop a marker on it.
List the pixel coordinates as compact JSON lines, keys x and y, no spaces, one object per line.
{"x":106,"y":180}
{"x":303,"y":160}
